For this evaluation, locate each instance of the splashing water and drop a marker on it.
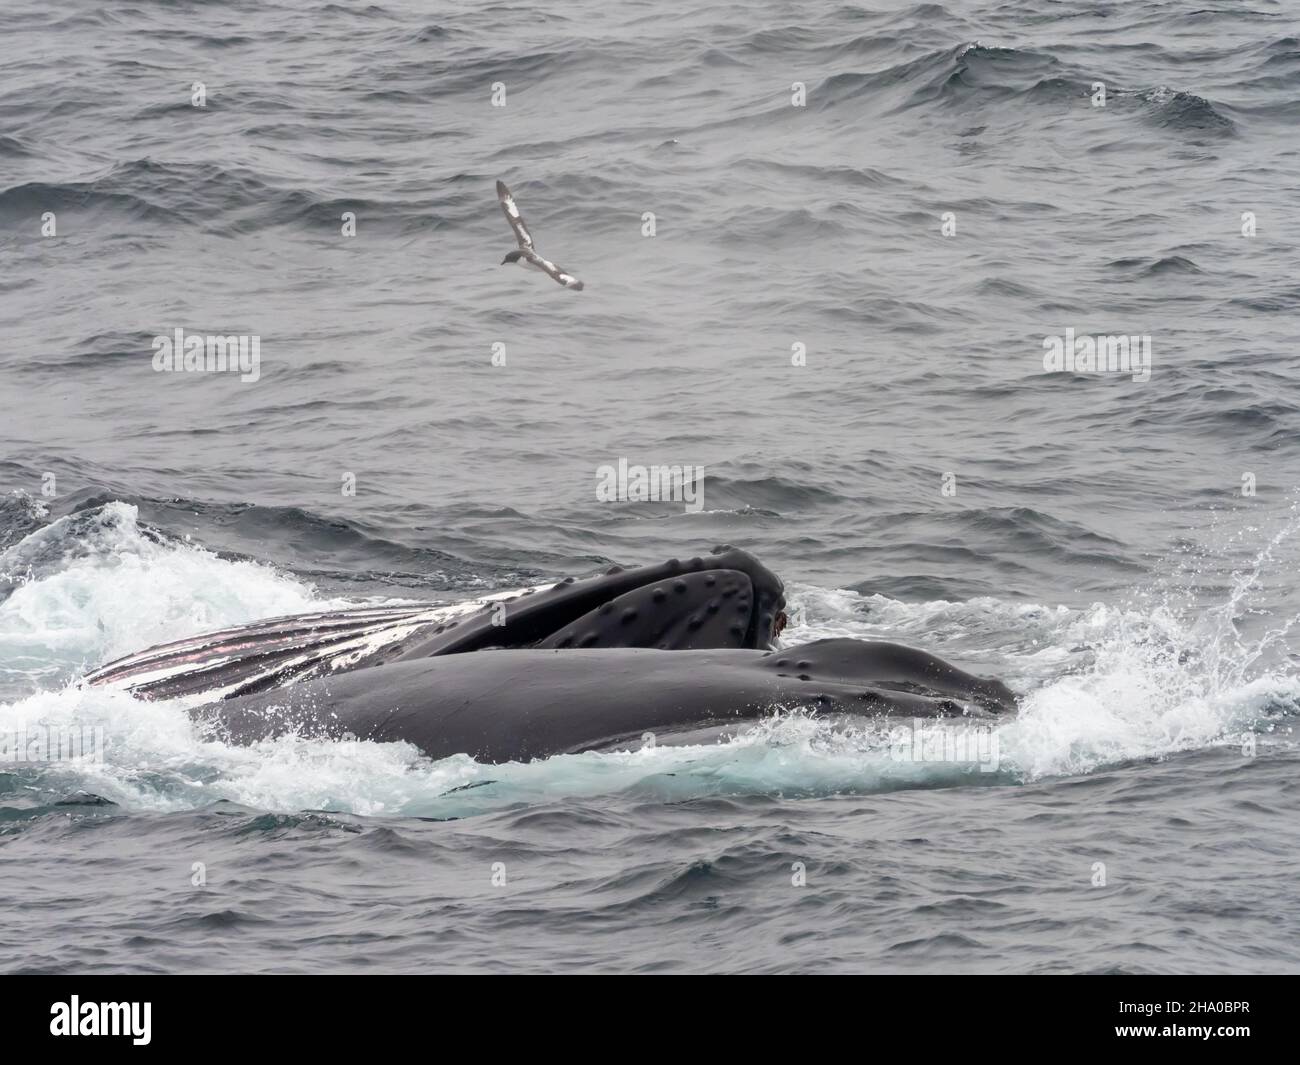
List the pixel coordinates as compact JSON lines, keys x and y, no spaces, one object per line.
{"x":1101,"y":686}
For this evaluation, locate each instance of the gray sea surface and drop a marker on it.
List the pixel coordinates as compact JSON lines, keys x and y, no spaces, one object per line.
{"x":825,"y":250}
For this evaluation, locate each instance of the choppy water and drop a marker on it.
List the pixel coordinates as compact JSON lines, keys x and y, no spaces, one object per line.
{"x":1098,"y":553}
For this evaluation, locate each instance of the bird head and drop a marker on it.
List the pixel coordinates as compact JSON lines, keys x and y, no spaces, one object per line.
{"x":511,"y":257}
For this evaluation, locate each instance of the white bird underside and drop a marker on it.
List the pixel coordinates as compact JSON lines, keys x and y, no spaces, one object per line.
{"x":534,"y":261}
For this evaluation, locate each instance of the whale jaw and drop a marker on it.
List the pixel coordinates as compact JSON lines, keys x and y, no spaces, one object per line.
{"x":727,"y":599}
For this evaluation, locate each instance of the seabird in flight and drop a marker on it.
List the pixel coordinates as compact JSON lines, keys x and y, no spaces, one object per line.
{"x":527,"y":255}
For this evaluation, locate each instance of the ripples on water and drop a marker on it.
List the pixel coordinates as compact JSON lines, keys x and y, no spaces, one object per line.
{"x":1098,"y":552}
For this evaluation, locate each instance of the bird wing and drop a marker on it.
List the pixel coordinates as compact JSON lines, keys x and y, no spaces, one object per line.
{"x":562,"y":276}
{"x":513,"y":216}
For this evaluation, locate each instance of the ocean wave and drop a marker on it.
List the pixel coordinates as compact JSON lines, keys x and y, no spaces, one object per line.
{"x":1147,"y":267}
{"x":34,"y":198}
{"x":218,"y":200}
{"x":1181,"y":111}
{"x":952,"y":75}
{"x":12,"y":147}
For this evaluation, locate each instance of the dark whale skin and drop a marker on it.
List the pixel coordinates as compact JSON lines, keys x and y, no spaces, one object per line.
{"x":672,"y":648}
{"x":725,"y":599}
{"x":517,"y":705}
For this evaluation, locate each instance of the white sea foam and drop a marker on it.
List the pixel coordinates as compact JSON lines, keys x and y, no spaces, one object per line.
{"x":1104,"y":685}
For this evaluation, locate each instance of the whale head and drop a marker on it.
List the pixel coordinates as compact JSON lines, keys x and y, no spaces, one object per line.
{"x":727,"y":599}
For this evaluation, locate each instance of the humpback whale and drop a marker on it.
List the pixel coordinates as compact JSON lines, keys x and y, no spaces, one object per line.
{"x":526,"y":254}
{"x":678,"y":649}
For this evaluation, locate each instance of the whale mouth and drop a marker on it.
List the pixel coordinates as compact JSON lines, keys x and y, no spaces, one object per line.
{"x":727,"y":599}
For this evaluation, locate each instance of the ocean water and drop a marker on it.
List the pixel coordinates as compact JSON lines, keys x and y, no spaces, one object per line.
{"x":835,"y":302}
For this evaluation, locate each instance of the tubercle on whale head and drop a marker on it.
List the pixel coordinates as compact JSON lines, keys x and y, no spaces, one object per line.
{"x":725,"y":600}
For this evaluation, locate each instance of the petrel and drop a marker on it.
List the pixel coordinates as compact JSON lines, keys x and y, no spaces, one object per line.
{"x":527,"y":255}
